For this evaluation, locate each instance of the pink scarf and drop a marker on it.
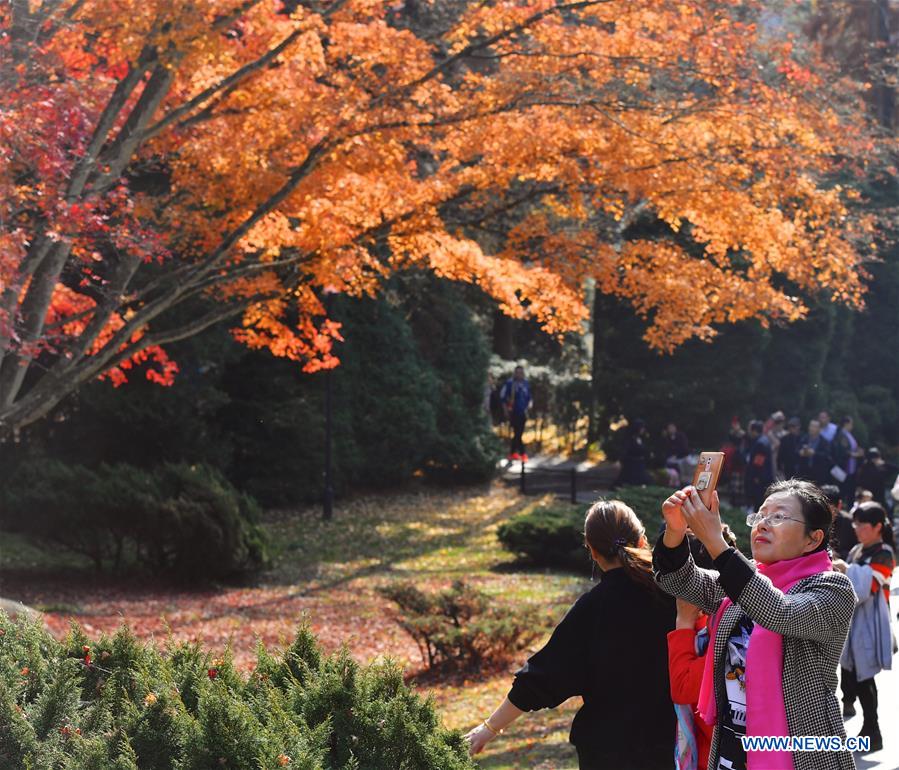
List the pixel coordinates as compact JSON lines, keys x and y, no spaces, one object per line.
{"x":765,"y":711}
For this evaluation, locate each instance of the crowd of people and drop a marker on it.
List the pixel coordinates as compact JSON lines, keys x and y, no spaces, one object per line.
{"x":826,"y":453}
{"x":684,"y":650}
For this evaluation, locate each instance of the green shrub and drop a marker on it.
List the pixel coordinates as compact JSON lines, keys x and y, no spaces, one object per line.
{"x":116,"y":704}
{"x":553,"y":536}
{"x":184,"y":521}
{"x":548,"y":536}
{"x":462,"y":627}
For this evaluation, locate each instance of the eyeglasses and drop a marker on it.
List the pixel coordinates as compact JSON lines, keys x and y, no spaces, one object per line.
{"x":771,"y":519}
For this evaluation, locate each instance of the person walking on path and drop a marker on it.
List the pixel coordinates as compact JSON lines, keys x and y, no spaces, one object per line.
{"x":778,"y":624}
{"x":871,"y":643}
{"x":516,"y":398}
{"x":610,"y":649}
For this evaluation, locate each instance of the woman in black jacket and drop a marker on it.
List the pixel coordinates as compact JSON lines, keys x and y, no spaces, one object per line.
{"x":611,"y":650}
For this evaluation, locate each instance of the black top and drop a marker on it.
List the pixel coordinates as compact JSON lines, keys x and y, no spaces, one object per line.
{"x":731,"y":753}
{"x":788,"y":454}
{"x":876,"y":479}
{"x":611,"y":648}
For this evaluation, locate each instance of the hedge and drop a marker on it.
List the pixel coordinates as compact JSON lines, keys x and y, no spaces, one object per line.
{"x":179,"y":521}
{"x":553,"y":535}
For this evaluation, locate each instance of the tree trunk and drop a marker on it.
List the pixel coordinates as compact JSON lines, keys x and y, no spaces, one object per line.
{"x":503,"y":335}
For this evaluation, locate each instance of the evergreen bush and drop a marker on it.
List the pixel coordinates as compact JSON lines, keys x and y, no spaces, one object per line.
{"x":462,"y":627}
{"x":182,"y":521}
{"x":117,"y":704}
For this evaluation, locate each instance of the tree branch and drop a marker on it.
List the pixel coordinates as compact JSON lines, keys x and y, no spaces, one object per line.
{"x":120,"y":96}
{"x":501,"y":35}
{"x":226,"y":83}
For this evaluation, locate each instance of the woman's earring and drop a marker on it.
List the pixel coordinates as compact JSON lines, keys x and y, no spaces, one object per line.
{"x":593,"y":571}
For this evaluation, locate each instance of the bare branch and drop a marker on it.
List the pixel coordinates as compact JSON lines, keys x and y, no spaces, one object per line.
{"x":480,"y":45}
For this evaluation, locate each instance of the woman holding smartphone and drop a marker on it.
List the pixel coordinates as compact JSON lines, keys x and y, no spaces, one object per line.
{"x":611,"y":650}
{"x":778,"y":624}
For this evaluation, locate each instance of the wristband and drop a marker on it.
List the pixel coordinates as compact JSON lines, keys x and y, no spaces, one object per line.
{"x":491,"y":728}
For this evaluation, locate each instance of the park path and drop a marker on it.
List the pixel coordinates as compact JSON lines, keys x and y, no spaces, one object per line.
{"x":576,"y":480}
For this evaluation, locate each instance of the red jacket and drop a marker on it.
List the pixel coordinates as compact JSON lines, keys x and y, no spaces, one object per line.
{"x":685,"y":669}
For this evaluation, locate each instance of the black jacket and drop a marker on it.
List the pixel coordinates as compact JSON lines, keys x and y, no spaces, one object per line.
{"x":611,"y":648}
{"x":817,"y":467}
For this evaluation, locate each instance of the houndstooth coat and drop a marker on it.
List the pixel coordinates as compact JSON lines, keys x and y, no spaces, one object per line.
{"x":813,"y":617}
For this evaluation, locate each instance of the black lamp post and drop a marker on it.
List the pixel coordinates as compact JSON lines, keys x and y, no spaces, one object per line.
{"x":328,"y":495}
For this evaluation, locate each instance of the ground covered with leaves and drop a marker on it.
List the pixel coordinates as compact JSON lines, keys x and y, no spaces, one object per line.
{"x":330,"y":573}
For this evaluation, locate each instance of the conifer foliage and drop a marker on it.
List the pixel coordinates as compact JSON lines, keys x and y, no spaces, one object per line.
{"x":116,"y":704}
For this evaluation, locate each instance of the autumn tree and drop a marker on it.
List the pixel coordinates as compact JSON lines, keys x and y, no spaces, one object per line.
{"x":167,"y":166}
{"x":861,"y":39}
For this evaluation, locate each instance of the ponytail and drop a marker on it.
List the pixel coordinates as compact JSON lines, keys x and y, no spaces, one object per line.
{"x":613,"y":530}
{"x":637,"y":563}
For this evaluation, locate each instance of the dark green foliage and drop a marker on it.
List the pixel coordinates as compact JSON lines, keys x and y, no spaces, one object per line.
{"x":386,"y":394}
{"x":464,"y":448}
{"x":144,"y":424}
{"x":383,"y":411}
{"x":126,"y":709}
{"x":835,"y":359}
{"x":183,"y":521}
{"x":553,"y":536}
{"x":407,"y":400}
{"x":273,"y":418}
{"x":462,"y":627}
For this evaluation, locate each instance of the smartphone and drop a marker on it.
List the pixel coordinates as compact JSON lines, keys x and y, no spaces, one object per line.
{"x":707,"y":473}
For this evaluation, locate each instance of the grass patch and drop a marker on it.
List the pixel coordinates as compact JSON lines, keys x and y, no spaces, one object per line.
{"x":432,"y":539}
{"x":537,"y":741}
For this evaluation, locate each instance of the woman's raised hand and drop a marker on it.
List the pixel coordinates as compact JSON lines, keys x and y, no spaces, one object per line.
{"x":686,"y":614}
{"x":675,"y":523}
{"x":704,"y":522}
